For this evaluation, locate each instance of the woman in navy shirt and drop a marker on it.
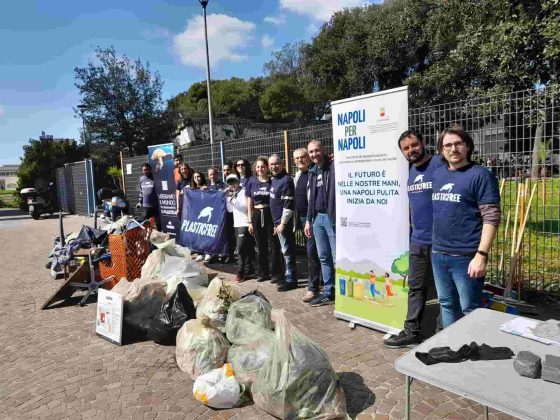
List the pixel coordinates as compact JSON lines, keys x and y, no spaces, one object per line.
{"x":261,"y":225}
{"x":243,"y":171}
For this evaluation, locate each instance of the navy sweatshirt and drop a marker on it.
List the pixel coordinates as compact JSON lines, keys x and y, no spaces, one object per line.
{"x":282,"y":201}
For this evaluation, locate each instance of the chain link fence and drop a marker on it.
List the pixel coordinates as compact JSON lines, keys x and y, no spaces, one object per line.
{"x":516,"y":136}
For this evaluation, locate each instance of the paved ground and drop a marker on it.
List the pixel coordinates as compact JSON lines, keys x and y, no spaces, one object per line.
{"x":52,"y":365}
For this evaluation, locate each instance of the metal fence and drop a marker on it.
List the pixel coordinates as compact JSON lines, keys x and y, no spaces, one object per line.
{"x":516,"y":137}
{"x":81,"y":187}
{"x":65,"y":189}
{"x":132,"y":171}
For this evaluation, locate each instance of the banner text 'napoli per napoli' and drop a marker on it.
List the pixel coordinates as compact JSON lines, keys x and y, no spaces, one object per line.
{"x":351,"y":141}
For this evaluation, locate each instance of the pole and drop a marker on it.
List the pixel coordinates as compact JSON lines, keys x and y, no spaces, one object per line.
{"x":204,"y":3}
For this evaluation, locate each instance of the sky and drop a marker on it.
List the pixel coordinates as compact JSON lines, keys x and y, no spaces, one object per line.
{"x":44,"y":41}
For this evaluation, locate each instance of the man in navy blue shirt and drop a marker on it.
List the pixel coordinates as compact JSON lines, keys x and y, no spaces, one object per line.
{"x":282,"y":206}
{"x":420,"y":277}
{"x":466,"y":203}
{"x":321,"y":217}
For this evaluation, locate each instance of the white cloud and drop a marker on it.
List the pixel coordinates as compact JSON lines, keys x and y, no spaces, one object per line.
{"x":320,"y":10}
{"x":227,"y":36}
{"x":267,"y":41}
{"x":276,"y":20}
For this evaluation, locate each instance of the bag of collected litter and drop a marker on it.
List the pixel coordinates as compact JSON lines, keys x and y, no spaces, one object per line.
{"x":175,"y":270}
{"x":247,"y":359}
{"x":215,"y":304}
{"x":246,"y":316}
{"x":197,"y":293}
{"x":219,"y":388}
{"x":141,"y":304}
{"x":177,"y":310}
{"x":200,"y":347}
{"x":298,"y":381}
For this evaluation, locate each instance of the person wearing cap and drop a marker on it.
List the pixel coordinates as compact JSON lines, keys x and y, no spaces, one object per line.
{"x":236,"y":202}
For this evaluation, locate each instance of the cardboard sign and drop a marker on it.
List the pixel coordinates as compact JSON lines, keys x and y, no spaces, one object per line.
{"x":109,"y":320}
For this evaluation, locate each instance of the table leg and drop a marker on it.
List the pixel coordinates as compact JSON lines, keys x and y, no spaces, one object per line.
{"x":486,"y":412}
{"x":408,"y":382}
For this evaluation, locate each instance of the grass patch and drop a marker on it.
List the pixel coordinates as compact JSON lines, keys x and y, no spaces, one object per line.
{"x":7,"y":199}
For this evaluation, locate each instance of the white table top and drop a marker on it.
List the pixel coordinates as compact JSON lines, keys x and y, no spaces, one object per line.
{"x":493,"y":383}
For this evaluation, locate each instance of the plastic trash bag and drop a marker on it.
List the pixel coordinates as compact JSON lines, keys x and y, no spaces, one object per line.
{"x":175,"y":270}
{"x":197,"y":292}
{"x":177,"y":310}
{"x":246,"y":316}
{"x":219,"y":388}
{"x":298,"y":381}
{"x":200,"y":347}
{"x":247,"y":359}
{"x":215,"y":304}
{"x":141,"y":304}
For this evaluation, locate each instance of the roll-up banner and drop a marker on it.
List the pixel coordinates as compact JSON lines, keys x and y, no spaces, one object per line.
{"x":372,"y":227}
{"x":161,"y":161}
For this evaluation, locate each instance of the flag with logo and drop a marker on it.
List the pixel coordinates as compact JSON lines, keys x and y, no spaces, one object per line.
{"x":203,"y":222}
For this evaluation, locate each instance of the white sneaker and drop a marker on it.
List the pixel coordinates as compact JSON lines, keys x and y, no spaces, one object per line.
{"x":207,"y":258}
{"x":199,"y":258}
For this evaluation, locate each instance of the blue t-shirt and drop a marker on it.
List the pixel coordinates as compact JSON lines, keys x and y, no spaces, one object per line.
{"x":301,"y":193}
{"x":320,"y":193}
{"x":243,"y":181}
{"x":220,"y":185}
{"x":259,"y":191}
{"x":456,"y":198}
{"x":281,"y":195}
{"x":420,"y":198}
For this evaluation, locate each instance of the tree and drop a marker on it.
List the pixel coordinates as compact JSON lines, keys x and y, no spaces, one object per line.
{"x":121,"y":101}
{"x":283,"y":100}
{"x":401,"y":265}
{"x":42,"y":156}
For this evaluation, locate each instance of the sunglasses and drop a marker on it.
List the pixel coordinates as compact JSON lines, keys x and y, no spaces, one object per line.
{"x":240,"y":164}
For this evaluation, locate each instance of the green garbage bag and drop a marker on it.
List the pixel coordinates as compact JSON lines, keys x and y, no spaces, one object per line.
{"x":298,"y":381}
{"x":247,"y":316}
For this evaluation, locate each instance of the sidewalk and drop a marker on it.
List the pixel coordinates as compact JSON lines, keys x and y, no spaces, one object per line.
{"x":52,"y":365}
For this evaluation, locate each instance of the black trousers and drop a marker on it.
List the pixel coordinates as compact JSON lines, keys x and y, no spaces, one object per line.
{"x":230,"y":234}
{"x":245,"y":249}
{"x":420,"y":279}
{"x":263,"y":229}
{"x":151,"y":212}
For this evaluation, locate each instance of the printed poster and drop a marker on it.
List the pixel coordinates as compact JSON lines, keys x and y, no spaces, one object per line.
{"x":109,"y":320}
{"x":161,"y":161}
{"x":372,"y":227}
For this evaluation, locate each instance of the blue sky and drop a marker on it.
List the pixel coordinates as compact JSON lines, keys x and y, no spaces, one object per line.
{"x":43,"y":41}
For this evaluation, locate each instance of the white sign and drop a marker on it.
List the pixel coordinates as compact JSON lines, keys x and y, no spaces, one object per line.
{"x":109,"y":318}
{"x":129,"y":168}
{"x":372,"y":226}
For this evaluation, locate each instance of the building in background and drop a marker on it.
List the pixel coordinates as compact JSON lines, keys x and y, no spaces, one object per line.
{"x":8,"y":177}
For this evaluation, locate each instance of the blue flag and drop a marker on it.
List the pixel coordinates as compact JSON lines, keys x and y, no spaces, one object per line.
{"x":203,"y":222}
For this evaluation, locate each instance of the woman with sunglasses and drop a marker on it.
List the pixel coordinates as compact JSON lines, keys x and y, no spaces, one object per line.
{"x":243,"y":171}
{"x":261,"y":225}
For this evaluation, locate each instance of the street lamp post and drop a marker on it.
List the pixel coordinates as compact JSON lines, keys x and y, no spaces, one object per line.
{"x":82,"y":108}
{"x":204,"y":3}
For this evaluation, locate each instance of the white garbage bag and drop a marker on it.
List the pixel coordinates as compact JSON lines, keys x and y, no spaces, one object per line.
{"x":219,"y":388}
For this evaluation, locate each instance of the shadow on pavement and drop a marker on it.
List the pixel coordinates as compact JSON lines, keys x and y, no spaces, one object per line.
{"x":358,"y":395}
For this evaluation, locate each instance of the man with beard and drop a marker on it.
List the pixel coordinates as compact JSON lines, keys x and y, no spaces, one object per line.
{"x":421,"y":277}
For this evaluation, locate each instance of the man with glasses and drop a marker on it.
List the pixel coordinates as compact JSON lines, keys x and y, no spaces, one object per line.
{"x":466,"y":203}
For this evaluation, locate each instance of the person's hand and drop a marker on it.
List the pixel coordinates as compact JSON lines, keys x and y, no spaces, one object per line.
{"x":278,"y":230}
{"x":204,"y":187}
{"x":307,"y":230}
{"x":138,"y":205}
{"x":251,"y":231}
{"x":477,"y":266}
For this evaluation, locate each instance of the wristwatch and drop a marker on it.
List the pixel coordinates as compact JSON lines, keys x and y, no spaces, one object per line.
{"x":484,"y":254}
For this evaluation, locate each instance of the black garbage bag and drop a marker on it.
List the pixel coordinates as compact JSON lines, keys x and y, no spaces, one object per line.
{"x":171,"y":317}
{"x":90,"y":237}
{"x":256,"y":293}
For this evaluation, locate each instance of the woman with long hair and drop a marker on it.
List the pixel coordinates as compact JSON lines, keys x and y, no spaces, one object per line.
{"x":243,"y":171}
{"x":261,"y":225}
{"x":198,"y":181}
{"x":185,"y":172}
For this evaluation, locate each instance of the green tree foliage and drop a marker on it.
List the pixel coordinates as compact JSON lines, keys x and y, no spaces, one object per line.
{"x":284,"y":100}
{"x":41,"y":157}
{"x":233,"y":98}
{"x":122,"y":102}
{"x":401,"y":265}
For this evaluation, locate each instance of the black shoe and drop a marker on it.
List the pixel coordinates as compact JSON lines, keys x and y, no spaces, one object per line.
{"x":260,"y":279}
{"x":285,"y":287}
{"x":276,"y":280}
{"x":322,"y":301}
{"x":403,"y":340}
{"x":231,"y":260}
{"x":250,"y":272}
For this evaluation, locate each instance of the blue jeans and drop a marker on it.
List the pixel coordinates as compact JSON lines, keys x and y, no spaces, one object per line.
{"x":325,"y":238}
{"x":313,"y":263}
{"x":288,"y":247}
{"x":458,"y":293}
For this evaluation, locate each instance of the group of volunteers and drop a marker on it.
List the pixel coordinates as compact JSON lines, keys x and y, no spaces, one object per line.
{"x":454,"y":205}
{"x":266,"y":206}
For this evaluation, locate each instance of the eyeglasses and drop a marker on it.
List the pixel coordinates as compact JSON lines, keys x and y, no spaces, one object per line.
{"x":239,"y":164}
{"x":457,"y":144}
